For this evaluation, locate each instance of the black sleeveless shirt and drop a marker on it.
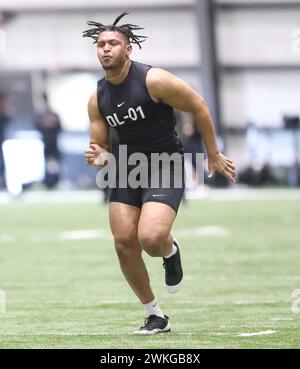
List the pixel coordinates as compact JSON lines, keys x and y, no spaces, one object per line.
{"x":140,"y":123}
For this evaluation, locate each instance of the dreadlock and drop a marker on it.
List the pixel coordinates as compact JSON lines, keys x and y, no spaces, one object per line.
{"x":125,"y":29}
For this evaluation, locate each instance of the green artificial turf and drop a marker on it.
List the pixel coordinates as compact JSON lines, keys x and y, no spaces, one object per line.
{"x":241,"y":264}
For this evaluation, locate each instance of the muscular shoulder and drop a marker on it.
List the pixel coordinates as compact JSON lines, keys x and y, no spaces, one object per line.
{"x":167,"y":88}
{"x":157,"y":75}
{"x":162,"y":84}
{"x":157,"y":80}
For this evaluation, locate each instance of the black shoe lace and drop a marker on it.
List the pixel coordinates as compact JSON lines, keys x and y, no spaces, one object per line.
{"x":149,"y":319}
{"x":168,"y":265}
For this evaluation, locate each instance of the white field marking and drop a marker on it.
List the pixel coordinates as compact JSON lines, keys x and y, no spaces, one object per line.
{"x":238,"y":193}
{"x":90,"y":303}
{"x":187,"y":302}
{"x":245,"y":334}
{"x":60,"y":196}
{"x":87,"y":234}
{"x":254,"y":302}
{"x":202,"y":231}
{"x":8,"y":239}
{"x":81,"y":334}
{"x":109,"y":302}
{"x":94,"y":234}
{"x":111,"y":333}
{"x":281,"y":319}
{"x":220,"y":302}
{"x":125,"y":302}
{"x":116,"y":302}
{"x":101,"y":233}
{"x":262,"y":333}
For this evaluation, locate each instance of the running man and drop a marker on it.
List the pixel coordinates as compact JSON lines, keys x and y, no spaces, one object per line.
{"x":138,"y":101}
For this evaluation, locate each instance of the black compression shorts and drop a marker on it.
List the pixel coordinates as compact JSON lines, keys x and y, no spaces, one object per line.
{"x":168,"y":189}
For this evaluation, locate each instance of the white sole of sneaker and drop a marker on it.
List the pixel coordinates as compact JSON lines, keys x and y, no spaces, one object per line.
{"x":155,"y":331}
{"x":175,"y":288}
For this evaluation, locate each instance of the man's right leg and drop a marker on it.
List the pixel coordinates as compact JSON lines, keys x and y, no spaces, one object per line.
{"x":124,"y":224}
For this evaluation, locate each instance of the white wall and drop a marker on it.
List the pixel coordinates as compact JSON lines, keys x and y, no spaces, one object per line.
{"x":257,"y":36}
{"x":251,"y":1}
{"x":54,"y":41}
{"x":259,"y":97}
{"x":31,"y":4}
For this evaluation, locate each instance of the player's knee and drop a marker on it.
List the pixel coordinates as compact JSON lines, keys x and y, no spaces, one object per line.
{"x":125,"y":244}
{"x":151,"y":244}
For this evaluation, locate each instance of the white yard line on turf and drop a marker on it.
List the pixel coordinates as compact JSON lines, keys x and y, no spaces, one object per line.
{"x":87,"y":234}
{"x":94,"y":234}
{"x":262,"y":333}
{"x":181,"y":302}
{"x":213,"y":230}
{"x":240,"y":194}
{"x":252,"y":334}
{"x":254,"y":302}
{"x":281,"y":319}
{"x":8,"y":239}
{"x":221,"y":302}
{"x":185,"y":233}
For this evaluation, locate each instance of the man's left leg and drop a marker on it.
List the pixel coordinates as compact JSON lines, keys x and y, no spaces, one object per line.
{"x":154,"y":227}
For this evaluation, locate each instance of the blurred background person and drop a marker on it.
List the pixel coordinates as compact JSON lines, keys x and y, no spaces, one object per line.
{"x":48,"y":123}
{"x":192,"y":143}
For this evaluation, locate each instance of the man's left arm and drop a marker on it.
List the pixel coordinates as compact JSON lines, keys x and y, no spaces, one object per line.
{"x":171,"y":90}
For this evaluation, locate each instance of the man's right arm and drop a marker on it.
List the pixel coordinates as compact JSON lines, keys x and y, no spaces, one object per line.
{"x":99,"y":134}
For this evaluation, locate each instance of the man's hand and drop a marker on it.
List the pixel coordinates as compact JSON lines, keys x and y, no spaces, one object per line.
{"x":223,"y":165}
{"x":96,"y":155}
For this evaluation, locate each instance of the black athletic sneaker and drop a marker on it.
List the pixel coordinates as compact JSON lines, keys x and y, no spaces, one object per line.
{"x":155,"y":324}
{"x":173,"y":271}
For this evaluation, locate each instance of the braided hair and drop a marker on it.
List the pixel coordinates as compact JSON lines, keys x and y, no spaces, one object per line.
{"x":126,"y":29}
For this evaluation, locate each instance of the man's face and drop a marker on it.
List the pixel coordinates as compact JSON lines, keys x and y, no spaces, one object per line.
{"x":112,"y":49}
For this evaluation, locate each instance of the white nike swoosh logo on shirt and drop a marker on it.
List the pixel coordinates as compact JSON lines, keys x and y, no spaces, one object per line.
{"x":159,"y":195}
{"x":119,"y":105}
